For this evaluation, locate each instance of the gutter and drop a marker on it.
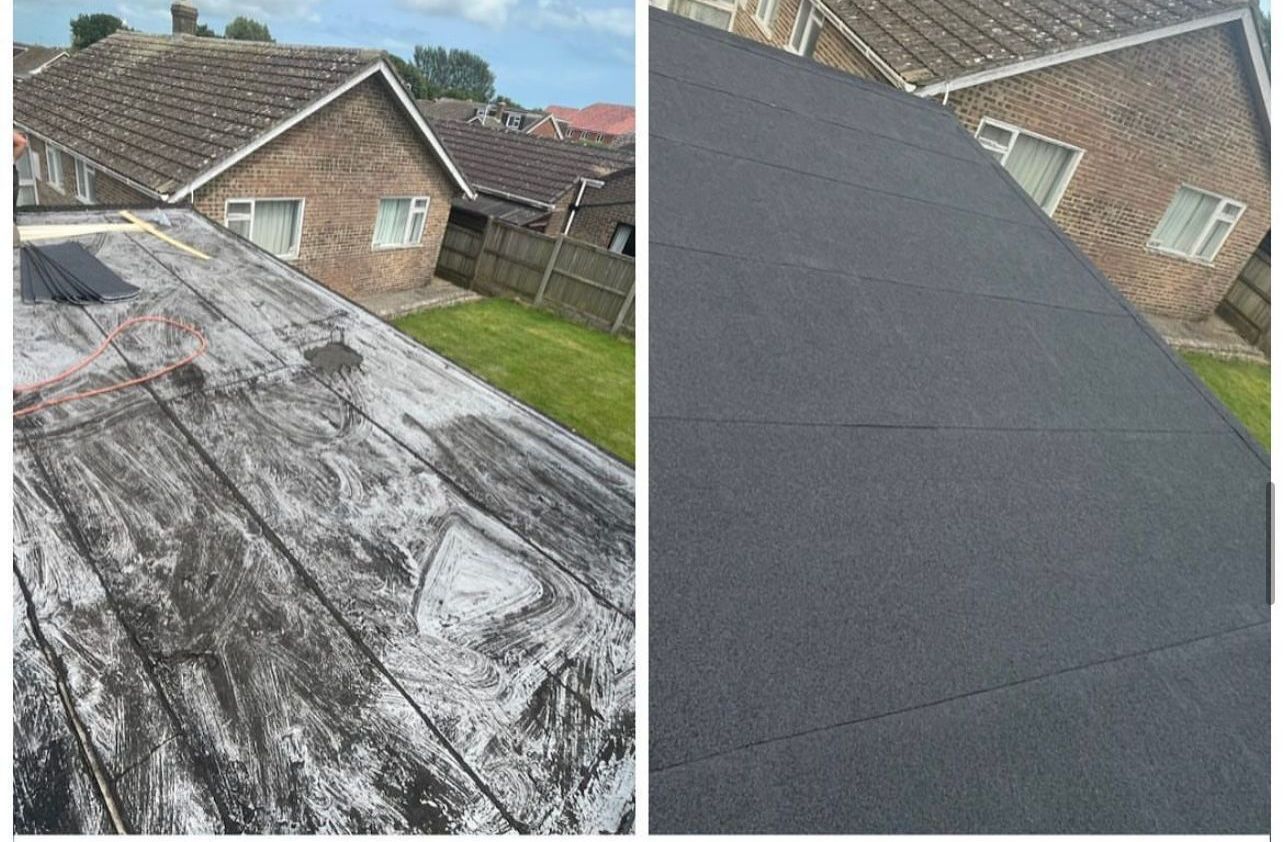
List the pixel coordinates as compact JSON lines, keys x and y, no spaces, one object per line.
{"x":129,"y":182}
{"x":513,"y":197}
{"x":575,"y":206}
{"x":865,"y":49}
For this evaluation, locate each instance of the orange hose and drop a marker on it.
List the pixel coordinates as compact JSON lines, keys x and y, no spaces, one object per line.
{"x":124,"y":326}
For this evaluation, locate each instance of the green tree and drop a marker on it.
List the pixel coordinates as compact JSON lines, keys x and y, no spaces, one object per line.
{"x":456,"y":73}
{"x":418,"y":82}
{"x":247,"y":29}
{"x":87,"y":29}
{"x":203,"y":31}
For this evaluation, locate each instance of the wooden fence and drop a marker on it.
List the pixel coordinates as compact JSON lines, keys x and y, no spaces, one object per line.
{"x":580,"y":280}
{"x":1247,"y":305}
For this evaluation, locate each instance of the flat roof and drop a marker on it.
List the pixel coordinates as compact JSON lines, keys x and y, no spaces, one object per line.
{"x":321,"y":579}
{"x":943,"y":537}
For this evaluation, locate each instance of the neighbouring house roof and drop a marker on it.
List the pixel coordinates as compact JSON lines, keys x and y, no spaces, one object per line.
{"x":33,"y":59}
{"x":448,"y":109}
{"x":167,"y":113}
{"x":618,"y":188}
{"x":601,"y":117}
{"x":508,"y":210}
{"x":523,"y":167}
{"x":322,"y":531}
{"x":935,"y":45}
{"x":944,"y":537}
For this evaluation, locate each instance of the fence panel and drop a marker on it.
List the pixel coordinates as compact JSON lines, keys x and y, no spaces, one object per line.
{"x":1247,"y":305}
{"x":459,"y":250}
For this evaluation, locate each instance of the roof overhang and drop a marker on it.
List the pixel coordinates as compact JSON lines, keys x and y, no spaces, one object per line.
{"x":513,"y":197}
{"x":123,"y":179}
{"x":381,"y":68}
{"x":865,"y":49}
{"x":1243,"y":15}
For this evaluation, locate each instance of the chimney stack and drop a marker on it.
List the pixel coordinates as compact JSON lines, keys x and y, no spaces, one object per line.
{"x":184,"y":15}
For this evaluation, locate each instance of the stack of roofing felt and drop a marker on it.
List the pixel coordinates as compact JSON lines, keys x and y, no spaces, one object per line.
{"x":66,"y":272}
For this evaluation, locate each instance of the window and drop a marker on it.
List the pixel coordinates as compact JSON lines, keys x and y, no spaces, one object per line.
{"x":512,"y":121}
{"x":400,"y":222}
{"x":715,"y":13}
{"x":622,"y":239}
{"x":53,"y":167}
{"x":1196,"y":224}
{"x":27,"y":178}
{"x":85,"y":182}
{"x":807,"y":28}
{"x":274,"y":225}
{"x":1041,"y":165}
{"x":766,"y":12}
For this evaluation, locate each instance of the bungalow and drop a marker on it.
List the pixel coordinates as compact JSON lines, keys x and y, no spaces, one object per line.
{"x":316,"y":154}
{"x":1142,"y":129}
{"x":529,"y":181}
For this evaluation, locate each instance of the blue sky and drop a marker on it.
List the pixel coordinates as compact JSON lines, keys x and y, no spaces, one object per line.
{"x":563,"y":52}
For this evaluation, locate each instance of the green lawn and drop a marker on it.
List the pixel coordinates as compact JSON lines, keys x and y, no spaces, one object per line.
{"x":1245,"y":388}
{"x":580,"y":376}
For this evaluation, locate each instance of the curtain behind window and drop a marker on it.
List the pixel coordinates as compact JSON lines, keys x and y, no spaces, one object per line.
{"x":390,"y":224}
{"x":1038,"y":167}
{"x":1184,"y":220}
{"x":275,"y":223}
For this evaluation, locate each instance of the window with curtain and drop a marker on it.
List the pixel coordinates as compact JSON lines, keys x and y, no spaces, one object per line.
{"x":766,"y":12}
{"x":1196,"y":224}
{"x":807,"y":29}
{"x":53,"y":167}
{"x":1042,"y":166}
{"x":85,"y":182}
{"x":26,"y":179}
{"x":400,"y":221}
{"x":273,"y":225}
{"x":716,"y":13}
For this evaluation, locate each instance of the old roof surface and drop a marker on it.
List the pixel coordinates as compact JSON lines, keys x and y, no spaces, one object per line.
{"x":533,"y":168}
{"x":33,"y":57}
{"x":604,"y":117}
{"x":322,"y":580}
{"x":943,"y":537}
{"x":931,"y":40}
{"x":160,"y":110}
{"x":448,"y":109}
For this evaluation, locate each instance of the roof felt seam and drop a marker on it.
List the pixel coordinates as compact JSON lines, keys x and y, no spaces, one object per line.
{"x":1120,"y":314}
{"x":998,"y":688}
{"x":938,"y":428}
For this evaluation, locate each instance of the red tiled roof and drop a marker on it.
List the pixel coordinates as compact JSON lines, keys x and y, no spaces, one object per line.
{"x":599,"y":117}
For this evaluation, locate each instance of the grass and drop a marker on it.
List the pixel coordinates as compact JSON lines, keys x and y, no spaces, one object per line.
{"x":1244,"y":386}
{"x":579,"y":376}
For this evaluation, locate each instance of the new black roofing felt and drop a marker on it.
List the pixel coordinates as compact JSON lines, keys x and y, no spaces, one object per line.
{"x":943,"y":537}
{"x":319,"y":580}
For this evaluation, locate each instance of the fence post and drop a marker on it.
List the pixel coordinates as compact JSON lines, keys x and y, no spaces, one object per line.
{"x":481,"y":251}
{"x":548,"y":270}
{"x":624,"y":308}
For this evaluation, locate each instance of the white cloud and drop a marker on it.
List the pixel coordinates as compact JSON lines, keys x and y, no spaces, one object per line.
{"x":580,"y":15}
{"x":486,"y":12}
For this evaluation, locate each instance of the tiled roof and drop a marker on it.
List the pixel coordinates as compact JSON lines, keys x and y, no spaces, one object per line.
{"x":160,"y":110}
{"x":932,"y":40}
{"x":33,"y":57}
{"x":448,"y":109}
{"x":530,"y":167}
{"x":599,"y":117}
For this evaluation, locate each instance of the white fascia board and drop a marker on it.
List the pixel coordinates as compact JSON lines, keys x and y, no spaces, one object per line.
{"x":513,"y":197}
{"x":865,"y":49}
{"x":1017,"y":68}
{"x":97,"y":167}
{"x":379,"y":67}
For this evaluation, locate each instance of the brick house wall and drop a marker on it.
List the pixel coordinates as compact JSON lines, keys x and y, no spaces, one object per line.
{"x":341,"y":161}
{"x":605,"y":208}
{"x":562,"y":207}
{"x":107,"y":190}
{"x":1181,"y":110}
{"x":832,"y":48}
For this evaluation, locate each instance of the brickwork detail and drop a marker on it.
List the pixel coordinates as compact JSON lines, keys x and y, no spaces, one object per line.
{"x":604,"y":209}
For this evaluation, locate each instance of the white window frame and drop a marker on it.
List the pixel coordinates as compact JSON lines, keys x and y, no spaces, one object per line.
{"x":728,"y":6}
{"x":83,"y":166}
{"x":626,"y":228}
{"x":30,"y":183}
{"x":253,"y":203}
{"x":512,"y":120}
{"x":1218,"y":215}
{"x":53,"y":161}
{"x":405,"y":236}
{"x":814,"y":17}
{"x":1054,"y":200}
{"x":765,"y":13}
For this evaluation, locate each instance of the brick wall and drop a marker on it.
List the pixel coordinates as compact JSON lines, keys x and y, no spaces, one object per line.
{"x":341,"y":161}
{"x":605,"y":208}
{"x":107,"y":190}
{"x":557,"y":219}
{"x":832,"y":47}
{"x":1149,"y":118}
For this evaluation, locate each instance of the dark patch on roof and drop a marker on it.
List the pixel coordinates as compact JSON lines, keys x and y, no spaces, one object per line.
{"x":324,"y":581}
{"x":160,"y":110}
{"x":931,"y":40}
{"x":943,"y":537}
{"x":533,"y":168}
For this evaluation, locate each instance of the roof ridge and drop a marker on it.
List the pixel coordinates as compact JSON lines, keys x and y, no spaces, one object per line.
{"x":238,"y":43}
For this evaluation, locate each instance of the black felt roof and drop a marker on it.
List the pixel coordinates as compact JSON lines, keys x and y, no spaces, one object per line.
{"x":523,"y":166}
{"x":943,"y":537}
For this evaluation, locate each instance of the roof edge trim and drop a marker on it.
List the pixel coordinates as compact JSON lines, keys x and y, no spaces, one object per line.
{"x":1243,"y":15}
{"x":126,"y":180}
{"x":379,"y":66}
{"x":513,"y":197}
{"x":865,"y":49}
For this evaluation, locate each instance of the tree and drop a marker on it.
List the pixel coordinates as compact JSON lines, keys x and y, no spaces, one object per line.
{"x":456,"y":73}
{"x":88,"y":29}
{"x":419,"y":87}
{"x":203,"y":31}
{"x":247,"y":29}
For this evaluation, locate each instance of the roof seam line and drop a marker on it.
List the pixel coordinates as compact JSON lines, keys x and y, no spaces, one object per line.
{"x":961,"y":696}
{"x":963,"y":428}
